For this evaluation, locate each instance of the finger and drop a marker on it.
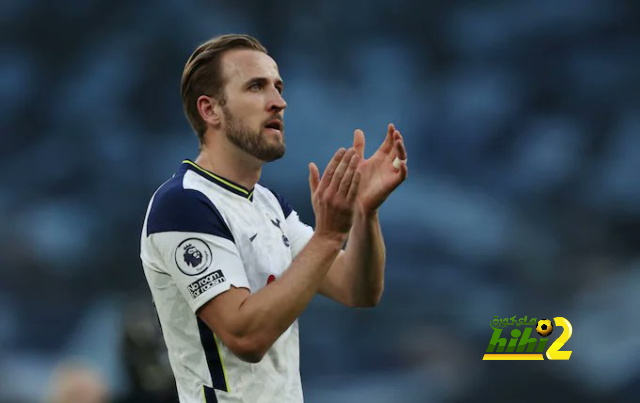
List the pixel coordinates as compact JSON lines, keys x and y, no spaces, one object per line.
{"x":314,"y":177}
{"x":358,"y":142}
{"x":387,"y":145}
{"x":397,"y":135}
{"x":345,"y":184}
{"x":325,"y":181}
{"x":354,"y":188}
{"x":341,"y":169}
{"x":404,"y":171}
{"x":399,"y":151}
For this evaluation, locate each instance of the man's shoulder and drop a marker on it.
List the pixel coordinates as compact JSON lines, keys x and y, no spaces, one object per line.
{"x":173,"y":195}
{"x":175,"y":207}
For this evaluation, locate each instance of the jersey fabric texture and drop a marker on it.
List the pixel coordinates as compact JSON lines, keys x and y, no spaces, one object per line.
{"x":203,"y":234}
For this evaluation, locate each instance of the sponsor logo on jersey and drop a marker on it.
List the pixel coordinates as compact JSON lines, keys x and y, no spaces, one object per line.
{"x":206,"y":283}
{"x":193,"y":256}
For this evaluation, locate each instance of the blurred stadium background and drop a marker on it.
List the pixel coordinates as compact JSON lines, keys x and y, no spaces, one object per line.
{"x":522,"y":121}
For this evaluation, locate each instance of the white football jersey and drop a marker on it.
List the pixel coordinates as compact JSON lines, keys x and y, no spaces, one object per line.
{"x":202,"y":234}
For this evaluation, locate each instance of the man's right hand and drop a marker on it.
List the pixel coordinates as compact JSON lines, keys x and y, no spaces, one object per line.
{"x":333,"y":197}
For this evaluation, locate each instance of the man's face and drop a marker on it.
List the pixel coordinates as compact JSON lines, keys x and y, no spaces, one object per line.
{"x":254,"y":108}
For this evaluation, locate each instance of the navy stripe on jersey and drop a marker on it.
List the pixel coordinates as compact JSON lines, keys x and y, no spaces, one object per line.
{"x":286,"y":207}
{"x":209,"y":395}
{"x":185,"y":210}
{"x":214,"y":362}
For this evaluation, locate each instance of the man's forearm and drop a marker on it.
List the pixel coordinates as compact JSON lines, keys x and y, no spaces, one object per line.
{"x":364,"y":260}
{"x":269,"y":312}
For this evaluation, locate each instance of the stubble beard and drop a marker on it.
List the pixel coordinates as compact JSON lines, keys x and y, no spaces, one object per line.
{"x":250,"y":141}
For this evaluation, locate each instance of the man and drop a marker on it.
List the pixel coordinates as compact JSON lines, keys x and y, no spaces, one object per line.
{"x":229,"y":263}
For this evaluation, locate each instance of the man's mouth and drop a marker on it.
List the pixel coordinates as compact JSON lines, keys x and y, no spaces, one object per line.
{"x":276,"y":124}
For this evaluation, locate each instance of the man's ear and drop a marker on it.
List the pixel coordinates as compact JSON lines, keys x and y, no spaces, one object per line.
{"x":209,"y":110}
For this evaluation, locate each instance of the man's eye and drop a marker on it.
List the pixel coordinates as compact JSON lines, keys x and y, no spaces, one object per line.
{"x":255,"y":87}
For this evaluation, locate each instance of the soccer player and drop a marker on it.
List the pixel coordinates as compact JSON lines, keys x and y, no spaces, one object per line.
{"x":228,"y":261}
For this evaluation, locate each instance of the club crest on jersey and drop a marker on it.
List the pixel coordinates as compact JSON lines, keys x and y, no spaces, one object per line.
{"x":193,"y":256}
{"x":285,"y":240}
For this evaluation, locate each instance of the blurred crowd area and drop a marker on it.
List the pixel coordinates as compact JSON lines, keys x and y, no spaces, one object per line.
{"x":522,"y":123}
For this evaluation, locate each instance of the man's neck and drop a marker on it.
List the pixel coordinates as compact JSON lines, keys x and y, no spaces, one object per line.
{"x":231,"y":163}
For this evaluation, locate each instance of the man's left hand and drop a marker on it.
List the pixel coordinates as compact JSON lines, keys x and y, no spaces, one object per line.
{"x":379,"y":176}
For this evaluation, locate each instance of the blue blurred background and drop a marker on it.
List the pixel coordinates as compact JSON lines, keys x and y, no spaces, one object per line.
{"x":522,"y":123}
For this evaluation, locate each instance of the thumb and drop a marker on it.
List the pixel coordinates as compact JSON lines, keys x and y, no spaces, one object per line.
{"x":358,"y":142}
{"x":314,"y":177}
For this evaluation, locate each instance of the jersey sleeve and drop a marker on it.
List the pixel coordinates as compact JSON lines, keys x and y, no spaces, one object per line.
{"x":298,"y":232}
{"x":194,"y":245}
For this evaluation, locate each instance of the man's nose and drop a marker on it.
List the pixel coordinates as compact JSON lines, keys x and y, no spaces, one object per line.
{"x":277,"y":102}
